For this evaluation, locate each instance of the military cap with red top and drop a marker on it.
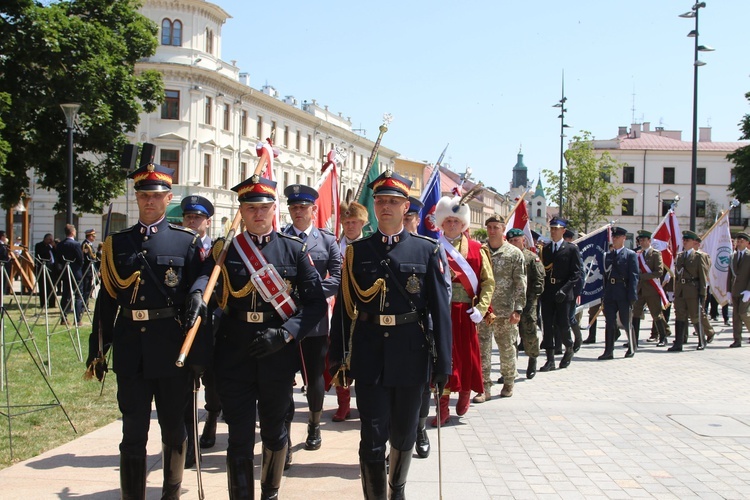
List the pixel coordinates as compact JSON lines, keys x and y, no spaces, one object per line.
{"x":255,"y":189}
{"x":151,"y":177}
{"x":390,"y":184}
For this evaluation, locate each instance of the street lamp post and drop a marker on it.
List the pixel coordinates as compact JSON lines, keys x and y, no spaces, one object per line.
{"x":70,"y":111}
{"x":693,"y":13}
{"x":561,"y":104}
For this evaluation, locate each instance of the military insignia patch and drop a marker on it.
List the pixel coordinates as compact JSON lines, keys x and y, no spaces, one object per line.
{"x":412,"y":284}
{"x":171,"y":279}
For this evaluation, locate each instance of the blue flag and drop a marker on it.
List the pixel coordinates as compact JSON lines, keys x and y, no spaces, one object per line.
{"x":593,"y":247}
{"x":429,"y":198}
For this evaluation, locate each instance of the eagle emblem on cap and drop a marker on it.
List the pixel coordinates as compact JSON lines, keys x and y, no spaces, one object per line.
{"x":388,"y":174}
{"x":150,"y":167}
{"x":255,"y":179}
{"x":193,"y":199}
{"x":295,"y":189}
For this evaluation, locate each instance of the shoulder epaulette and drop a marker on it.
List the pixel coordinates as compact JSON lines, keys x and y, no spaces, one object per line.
{"x":185,"y":230}
{"x":289,"y":236}
{"x":431,"y":240}
{"x":122,"y":231}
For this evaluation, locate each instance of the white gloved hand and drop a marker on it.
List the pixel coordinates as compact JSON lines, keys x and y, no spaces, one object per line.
{"x":729,"y":297}
{"x":746,"y":296}
{"x":476,"y":316}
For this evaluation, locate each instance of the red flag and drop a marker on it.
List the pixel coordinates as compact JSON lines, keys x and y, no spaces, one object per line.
{"x":519,"y":219}
{"x":328,"y":196}
{"x":667,"y":238}
{"x":268,"y":171}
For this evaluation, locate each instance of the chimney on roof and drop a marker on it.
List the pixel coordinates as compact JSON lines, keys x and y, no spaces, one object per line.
{"x":646,"y":127}
{"x":622,"y":131}
{"x":704,"y":134}
{"x":635,"y":130}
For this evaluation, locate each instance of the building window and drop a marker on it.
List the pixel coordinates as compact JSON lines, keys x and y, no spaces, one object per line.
{"x":606,"y":178}
{"x":170,"y":109}
{"x":538,"y":212}
{"x":210,"y":41}
{"x":627,"y":206}
{"x":207,"y":170}
{"x":735,"y":217}
{"x":668,"y":176}
{"x":628,"y":175}
{"x":243,"y":171}
{"x":226,"y":116}
{"x":243,"y":125}
{"x":207,"y":112}
{"x":171,"y":32}
{"x":225,"y":173}
{"x":320,"y":149}
{"x":259,"y":127}
{"x":309,"y":143}
{"x":701,"y":178}
{"x":170,"y":158}
{"x":286,"y":179}
{"x":286,"y":136}
{"x":296,"y":179}
{"x":273,"y":130}
{"x":700,"y":208}
{"x":309,"y":181}
{"x":665,"y":206}
{"x":297,"y":140}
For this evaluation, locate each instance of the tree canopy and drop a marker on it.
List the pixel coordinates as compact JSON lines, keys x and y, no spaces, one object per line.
{"x":740,"y":185}
{"x":80,"y":51}
{"x":588,"y":193}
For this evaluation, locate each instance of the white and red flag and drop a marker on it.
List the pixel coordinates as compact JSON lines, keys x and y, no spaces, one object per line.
{"x":328,"y":195}
{"x":667,"y":238}
{"x":519,"y":219}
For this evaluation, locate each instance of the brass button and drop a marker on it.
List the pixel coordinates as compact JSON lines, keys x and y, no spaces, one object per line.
{"x":386,"y":334}
{"x":387,"y":304}
{"x":144,"y":252}
{"x":145,"y":238}
{"x":142,"y":298}
{"x":143,"y":329}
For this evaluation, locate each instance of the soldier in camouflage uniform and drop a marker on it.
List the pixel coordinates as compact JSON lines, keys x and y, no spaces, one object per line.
{"x":534,"y":288}
{"x":508,"y":300}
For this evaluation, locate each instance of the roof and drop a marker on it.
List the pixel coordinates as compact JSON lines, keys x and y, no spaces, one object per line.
{"x":539,"y":189}
{"x":658,"y":142}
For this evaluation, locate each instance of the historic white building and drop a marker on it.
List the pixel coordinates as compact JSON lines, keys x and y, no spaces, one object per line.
{"x":658,"y":166}
{"x":211,"y":121}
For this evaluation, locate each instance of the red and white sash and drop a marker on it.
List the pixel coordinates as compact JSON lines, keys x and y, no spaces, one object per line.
{"x":461,"y":268}
{"x":655,"y":283}
{"x":267,"y":280}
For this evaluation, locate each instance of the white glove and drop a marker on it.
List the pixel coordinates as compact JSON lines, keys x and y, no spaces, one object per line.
{"x":476,"y":316}
{"x":729,"y":297}
{"x":746,"y":296}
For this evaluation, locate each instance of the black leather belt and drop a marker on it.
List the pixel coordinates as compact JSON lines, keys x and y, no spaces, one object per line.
{"x":616,"y":280}
{"x":149,"y":314}
{"x":691,"y":281}
{"x":390,"y":319}
{"x":251,"y":316}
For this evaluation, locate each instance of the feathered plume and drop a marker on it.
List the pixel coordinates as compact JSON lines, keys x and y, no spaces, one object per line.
{"x":471,"y":194}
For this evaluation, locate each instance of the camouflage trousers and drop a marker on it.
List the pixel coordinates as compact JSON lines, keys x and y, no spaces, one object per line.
{"x":506,"y":337}
{"x":528,"y":330}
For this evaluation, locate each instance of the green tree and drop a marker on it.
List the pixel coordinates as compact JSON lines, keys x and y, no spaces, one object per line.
{"x":740,"y":185}
{"x":712,"y":213}
{"x":588,"y":193}
{"x":77,"y":51}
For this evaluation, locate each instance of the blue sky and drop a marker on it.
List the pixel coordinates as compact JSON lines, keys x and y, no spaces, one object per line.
{"x":483,"y":76}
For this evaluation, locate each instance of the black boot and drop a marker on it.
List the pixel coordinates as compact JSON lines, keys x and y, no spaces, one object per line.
{"x":132,"y":477}
{"x":550,"y":364}
{"x":190,"y":450}
{"x":314,"y":440}
{"x":567,"y":357}
{"x":400,"y":461}
{"x":701,"y":336}
{"x":531,"y":369}
{"x":374,"y":482}
{"x":636,"y":325}
{"x":662,"y":334}
{"x":173,"y":459}
{"x":591,"y":339}
{"x":271,"y":470}
{"x":423,"y":442}
{"x":679,"y":338}
{"x":241,"y":480}
{"x":208,"y":437}
{"x":578,"y":338}
{"x":288,"y":461}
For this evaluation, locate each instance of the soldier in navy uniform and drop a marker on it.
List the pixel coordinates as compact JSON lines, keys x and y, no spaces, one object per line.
{"x":562,"y":266}
{"x":391,"y":280}
{"x":69,"y":251}
{"x":324,"y":251}
{"x":89,"y":268}
{"x":196,"y":215}
{"x":256,"y":352}
{"x":621,"y":275}
{"x":147,"y":273}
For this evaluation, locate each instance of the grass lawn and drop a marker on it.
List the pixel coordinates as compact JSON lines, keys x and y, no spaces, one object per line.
{"x":37,"y":421}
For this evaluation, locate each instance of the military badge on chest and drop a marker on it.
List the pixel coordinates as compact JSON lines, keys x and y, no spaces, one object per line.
{"x":171,"y":279}
{"x":412,"y":284}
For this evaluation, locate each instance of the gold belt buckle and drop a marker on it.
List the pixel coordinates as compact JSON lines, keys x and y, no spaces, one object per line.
{"x":612,"y":280}
{"x":140,"y":315}
{"x":387,"y":320}
{"x":552,"y":281}
{"x":254,"y":317}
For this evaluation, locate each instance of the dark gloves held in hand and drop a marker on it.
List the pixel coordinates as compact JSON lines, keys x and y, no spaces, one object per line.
{"x":268,"y":341}
{"x":195,"y":307}
{"x":439,"y":380}
{"x":560,"y":296}
{"x":99,"y":366}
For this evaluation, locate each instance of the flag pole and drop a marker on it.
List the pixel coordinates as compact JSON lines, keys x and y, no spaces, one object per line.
{"x":520,"y":199}
{"x":732,"y":204}
{"x":435,"y":173}
{"x":387,"y":118}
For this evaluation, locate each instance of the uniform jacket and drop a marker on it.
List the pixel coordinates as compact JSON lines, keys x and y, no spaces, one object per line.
{"x":147,"y":347}
{"x":564,"y":267}
{"x":691,"y":274}
{"x":738,"y":277}
{"x":534,"y":276}
{"x":289,"y":256}
{"x":510,"y":280}
{"x":621,"y":275}
{"x":69,"y":250}
{"x":324,"y":251}
{"x":394,"y":355}
{"x":655,"y":263}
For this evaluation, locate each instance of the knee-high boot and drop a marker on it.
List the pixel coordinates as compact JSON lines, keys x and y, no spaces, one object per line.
{"x":313,"y":440}
{"x":173,"y":459}
{"x":661,"y":328}
{"x":271,"y":471}
{"x":241,"y":480}
{"x":344,"y":397}
{"x":374,"y":481}
{"x":288,"y":460}
{"x":445,"y":412}
{"x":400,"y":461}
{"x":132,"y":477}
{"x":680,"y":328}
{"x":636,"y":324}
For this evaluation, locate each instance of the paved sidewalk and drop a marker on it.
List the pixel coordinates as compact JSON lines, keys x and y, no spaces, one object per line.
{"x":661,"y":425}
